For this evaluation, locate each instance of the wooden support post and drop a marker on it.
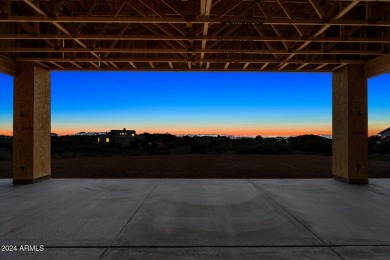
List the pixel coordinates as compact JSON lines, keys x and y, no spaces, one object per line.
{"x":350,"y":125}
{"x":31,"y":151}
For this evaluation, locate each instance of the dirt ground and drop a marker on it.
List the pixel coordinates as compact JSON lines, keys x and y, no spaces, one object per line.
{"x":199,"y":166}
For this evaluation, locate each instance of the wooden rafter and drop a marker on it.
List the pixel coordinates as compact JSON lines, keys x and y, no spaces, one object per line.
{"x":205,"y":9}
{"x":222,"y":38}
{"x":176,"y":60}
{"x":168,"y":50}
{"x":317,"y":8}
{"x":251,"y":35}
{"x":325,"y":27}
{"x":199,"y":20}
{"x":58,"y":25}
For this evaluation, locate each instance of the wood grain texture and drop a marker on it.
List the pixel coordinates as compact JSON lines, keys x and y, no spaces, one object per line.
{"x":350,"y":124}
{"x":31,"y":124}
{"x":202,"y":35}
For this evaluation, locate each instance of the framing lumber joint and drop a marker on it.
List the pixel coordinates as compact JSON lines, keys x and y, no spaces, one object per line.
{"x":377,"y":66}
{"x":7,"y":66}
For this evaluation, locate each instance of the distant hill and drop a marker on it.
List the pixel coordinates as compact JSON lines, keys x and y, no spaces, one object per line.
{"x":160,"y":144}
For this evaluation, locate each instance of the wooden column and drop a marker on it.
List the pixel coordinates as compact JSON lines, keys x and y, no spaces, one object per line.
{"x":31,"y":155}
{"x":350,"y":125}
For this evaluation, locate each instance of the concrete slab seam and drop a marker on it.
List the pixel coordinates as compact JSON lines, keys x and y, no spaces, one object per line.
{"x":129,"y":220}
{"x":376,"y":192}
{"x":295,"y":218}
{"x":383,"y":187}
{"x":6,"y":185}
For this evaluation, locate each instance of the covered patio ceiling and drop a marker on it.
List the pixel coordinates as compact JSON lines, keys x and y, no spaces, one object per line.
{"x":194,"y":35}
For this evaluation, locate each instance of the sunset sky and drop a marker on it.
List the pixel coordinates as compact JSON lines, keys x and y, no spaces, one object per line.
{"x":251,"y":104}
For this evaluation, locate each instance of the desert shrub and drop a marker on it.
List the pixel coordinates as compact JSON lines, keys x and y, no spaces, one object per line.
{"x":385,"y":147}
{"x":5,"y":155}
{"x":199,"y":147}
{"x":311,"y":144}
{"x":247,"y":149}
{"x":269,"y":148}
{"x":181,"y":150}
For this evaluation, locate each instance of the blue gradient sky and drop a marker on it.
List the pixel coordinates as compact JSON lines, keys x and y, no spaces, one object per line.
{"x":184,"y":103}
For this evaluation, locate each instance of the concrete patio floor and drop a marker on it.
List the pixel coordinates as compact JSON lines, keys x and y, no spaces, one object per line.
{"x":196,"y":219}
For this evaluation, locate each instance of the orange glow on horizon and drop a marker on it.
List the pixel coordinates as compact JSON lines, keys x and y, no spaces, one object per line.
{"x":235,"y":131}
{"x":6,"y":132}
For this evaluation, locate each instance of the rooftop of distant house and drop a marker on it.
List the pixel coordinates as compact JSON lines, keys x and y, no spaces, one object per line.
{"x":386,"y":130}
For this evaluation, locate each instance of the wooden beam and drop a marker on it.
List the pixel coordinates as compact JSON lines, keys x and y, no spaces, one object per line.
{"x":88,"y":13}
{"x":182,"y":60}
{"x":114,"y":65}
{"x":317,"y":8}
{"x":289,"y":15}
{"x":42,"y":65}
{"x":157,"y":12}
{"x":229,"y":8}
{"x":196,"y":34}
{"x":122,"y":31}
{"x":339,"y":66}
{"x":181,"y":68}
{"x":320,"y":66}
{"x":262,"y":34}
{"x":56,"y":24}
{"x":166,"y":50}
{"x":233,"y":29}
{"x":200,"y":38}
{"x":274,"y":27}
{"x":7,"y":7}
{"x":265,"y":65}
{"x":93,"y":64}
{"x":346,"y":9}
{"x":379,"y":12}
{"x":76,"y":65}
{"x":56,"y":64}
{"x":377,"y":66}
{"x":173,"y":7}
{"x":326,"y":26}
{"x":302,"y":66}
{"x":8,"y":66}
{"x":205,"y":9}
{"x":35,"y":7}
{"x":160,"y":27}
{"x":59,"y":6}
{"x":133,"y":65}
{"x":283,"y":65}
{"x":196,"y":20}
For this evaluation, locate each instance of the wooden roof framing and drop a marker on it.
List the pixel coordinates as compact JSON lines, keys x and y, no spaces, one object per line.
{"x":197,"y":35}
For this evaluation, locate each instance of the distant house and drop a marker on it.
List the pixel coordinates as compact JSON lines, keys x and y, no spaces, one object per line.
{"x":54,"y":134}
{"x":90,"y":133}
{"x":385,"y":135}
{"x":123,"y":137}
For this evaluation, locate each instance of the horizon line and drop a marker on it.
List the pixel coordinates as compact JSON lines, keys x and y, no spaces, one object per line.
{"x":183,"y":135}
